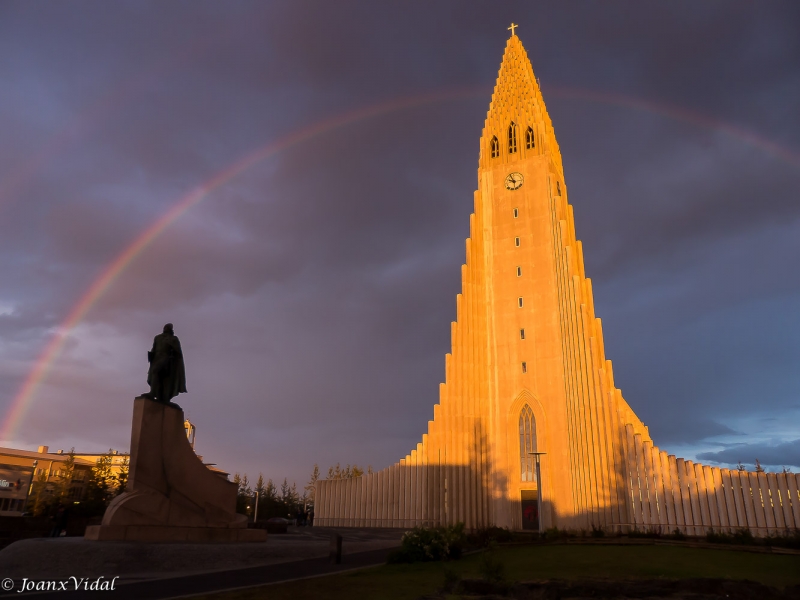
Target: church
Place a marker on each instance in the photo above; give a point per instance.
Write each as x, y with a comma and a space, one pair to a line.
530, 430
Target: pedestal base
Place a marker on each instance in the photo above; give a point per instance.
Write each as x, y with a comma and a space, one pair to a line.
156, 533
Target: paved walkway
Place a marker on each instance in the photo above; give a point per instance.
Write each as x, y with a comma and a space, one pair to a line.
205, 583
161, 571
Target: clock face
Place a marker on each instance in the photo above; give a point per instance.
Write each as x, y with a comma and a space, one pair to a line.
514, 181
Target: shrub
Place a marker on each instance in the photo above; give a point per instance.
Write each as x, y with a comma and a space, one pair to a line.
430, 543
554, 533
451, 580
719, 537
677, 534
743, 536
788, 539
598, 532
650, 532
491, 568
486, 535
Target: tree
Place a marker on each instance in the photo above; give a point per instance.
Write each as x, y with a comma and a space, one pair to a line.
271, 492
740, 467
286, 492
759, 468
786, 470
348, 472
244, 486
66, 475
122, 476
260, 489
37, 501
312, 483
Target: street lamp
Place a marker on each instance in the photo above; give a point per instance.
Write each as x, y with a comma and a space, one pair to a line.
30, 487
536, 456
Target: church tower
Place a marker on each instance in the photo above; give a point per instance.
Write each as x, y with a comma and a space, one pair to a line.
527, 374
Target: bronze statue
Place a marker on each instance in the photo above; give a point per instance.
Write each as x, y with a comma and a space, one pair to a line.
167, 375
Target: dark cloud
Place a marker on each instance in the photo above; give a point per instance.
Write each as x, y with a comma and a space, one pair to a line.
313, 293
782, 454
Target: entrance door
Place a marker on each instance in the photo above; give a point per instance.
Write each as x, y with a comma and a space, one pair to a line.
530, 509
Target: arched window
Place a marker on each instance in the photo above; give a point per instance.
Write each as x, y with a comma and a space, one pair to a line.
512, 138
527, 443
495, 146
530, 143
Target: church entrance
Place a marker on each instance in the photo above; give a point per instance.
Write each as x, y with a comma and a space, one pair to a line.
530, 509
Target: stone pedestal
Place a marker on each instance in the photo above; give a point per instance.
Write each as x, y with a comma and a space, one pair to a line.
171, 495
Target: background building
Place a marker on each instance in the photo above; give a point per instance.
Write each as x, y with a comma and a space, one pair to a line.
21, 468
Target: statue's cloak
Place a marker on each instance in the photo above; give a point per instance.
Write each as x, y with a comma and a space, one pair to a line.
167, 374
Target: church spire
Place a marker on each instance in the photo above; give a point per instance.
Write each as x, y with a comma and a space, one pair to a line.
517, 108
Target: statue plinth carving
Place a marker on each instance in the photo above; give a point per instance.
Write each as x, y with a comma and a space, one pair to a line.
171, 495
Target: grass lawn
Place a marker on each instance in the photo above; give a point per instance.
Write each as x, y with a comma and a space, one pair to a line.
408, 582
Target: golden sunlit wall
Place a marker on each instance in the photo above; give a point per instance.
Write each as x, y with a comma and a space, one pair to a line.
528, 373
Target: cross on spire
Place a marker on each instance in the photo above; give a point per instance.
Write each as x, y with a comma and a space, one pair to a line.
513, 26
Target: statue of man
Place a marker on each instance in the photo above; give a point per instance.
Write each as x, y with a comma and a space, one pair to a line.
167, 376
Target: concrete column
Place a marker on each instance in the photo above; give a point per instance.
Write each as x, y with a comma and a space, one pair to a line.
642, 481
424, 480
769, 513
347, 506
786, 502
732, 510
416, 505
595, 469
386, 509
363, 501
669, 502
739, 499
677, 497
319, 501
579, 461
369, 498
434, 464
402, 485
409, 490
758, 504
341, 503
702, 497
626, 432
748, 501
636, 492
619, 449
590, 375
686, 496
656, 496
349, 503
722, 499
394, 494
380, 504
699, 513
711, 492
793, 483
581, 404
777, 509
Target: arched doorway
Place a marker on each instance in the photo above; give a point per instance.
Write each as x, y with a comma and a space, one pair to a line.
529, 499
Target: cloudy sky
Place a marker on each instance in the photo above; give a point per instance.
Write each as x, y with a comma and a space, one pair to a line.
313, 291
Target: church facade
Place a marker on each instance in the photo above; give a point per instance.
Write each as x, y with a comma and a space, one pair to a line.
528, 374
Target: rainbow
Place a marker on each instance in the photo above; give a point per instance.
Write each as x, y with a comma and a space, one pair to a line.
112, 272
678, 114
